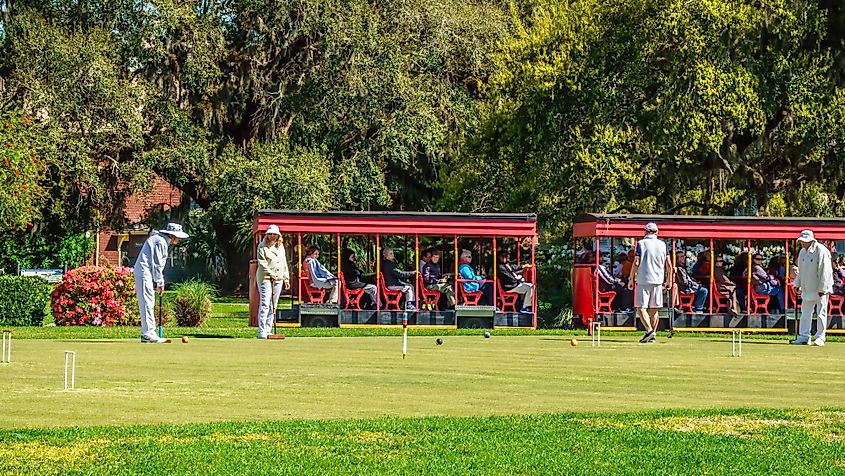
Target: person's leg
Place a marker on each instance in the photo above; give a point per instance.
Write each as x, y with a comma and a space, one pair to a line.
146, 306
371, 291
821, 326
642, 299
449, 291
409, 296
655, 305
333, 295
264, 296
277, 292
807, 308
700, 299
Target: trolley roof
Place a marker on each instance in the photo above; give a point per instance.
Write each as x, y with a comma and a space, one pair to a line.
717, 227
397, 223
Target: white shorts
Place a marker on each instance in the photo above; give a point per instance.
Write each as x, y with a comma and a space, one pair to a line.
649, 296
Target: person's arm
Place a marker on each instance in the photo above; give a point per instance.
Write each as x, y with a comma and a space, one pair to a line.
159, 259
825, 273
263, 262
633, 273
285, 271
667, 272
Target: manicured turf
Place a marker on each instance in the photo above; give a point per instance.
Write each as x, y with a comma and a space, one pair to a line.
767, 442
125, 382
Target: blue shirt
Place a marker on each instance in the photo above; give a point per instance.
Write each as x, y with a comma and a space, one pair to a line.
466, 272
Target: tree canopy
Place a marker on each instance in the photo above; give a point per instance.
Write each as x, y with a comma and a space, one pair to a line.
554, 107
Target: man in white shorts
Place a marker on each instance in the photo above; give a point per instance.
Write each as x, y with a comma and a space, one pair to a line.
653, 271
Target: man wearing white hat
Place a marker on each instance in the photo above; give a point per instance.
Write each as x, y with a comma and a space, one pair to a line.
814, 284
149, 276
272, 275
653, 270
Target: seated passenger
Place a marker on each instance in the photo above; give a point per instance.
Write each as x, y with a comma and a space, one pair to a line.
624, 299
393, 277
764, 283
839, 275
688, 285
354, 277
320, 277
512, 281
426, 257
473, 283
725, 286
619, 265
434, 280
627, 265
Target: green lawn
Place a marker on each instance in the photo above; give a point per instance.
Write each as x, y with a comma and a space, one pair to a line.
769, 442
126, 382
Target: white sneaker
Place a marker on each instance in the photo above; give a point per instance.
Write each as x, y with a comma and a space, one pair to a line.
820, 342
799, 341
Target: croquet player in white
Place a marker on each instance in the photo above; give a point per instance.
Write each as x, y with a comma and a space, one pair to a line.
149, 276
272, 276
653, 270
814, 284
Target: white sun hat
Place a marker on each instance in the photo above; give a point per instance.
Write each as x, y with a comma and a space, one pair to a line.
651, 227
174, 229
807, 236
272, 230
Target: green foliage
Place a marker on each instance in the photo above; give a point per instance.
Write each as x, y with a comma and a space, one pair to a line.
192, 304
41, 249
23, 300
657, 106
22, 172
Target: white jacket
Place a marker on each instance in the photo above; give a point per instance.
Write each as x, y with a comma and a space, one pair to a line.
272, 263
151, 261
815, 272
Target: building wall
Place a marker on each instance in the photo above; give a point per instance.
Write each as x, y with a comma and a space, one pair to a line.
137, 207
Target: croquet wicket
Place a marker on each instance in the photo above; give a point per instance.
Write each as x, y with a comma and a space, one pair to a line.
596, 333
736, 343
7, 347
70, 357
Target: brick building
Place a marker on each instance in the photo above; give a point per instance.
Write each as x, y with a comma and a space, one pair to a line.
121, 247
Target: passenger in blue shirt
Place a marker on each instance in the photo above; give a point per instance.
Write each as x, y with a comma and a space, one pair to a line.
473, 282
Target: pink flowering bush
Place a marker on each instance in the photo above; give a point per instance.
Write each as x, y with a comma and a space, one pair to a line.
95, 296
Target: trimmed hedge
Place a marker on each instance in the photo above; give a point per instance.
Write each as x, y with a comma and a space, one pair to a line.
23, 300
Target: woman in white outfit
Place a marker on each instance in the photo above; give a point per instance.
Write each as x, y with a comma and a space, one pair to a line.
272, 276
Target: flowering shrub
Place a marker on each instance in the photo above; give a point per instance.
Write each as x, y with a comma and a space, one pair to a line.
95, 296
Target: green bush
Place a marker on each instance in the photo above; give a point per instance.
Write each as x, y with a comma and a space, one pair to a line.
23, 300
192, 305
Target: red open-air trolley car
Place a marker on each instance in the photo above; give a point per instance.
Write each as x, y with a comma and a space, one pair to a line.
714, 237
373, 229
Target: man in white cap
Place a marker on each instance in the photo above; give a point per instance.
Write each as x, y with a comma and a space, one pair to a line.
149, 276
653, 270
814, 284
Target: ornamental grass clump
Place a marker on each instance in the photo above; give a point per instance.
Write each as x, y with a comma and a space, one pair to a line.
192, 305
95, 296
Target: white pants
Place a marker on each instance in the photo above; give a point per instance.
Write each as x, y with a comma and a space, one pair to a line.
332, 289
371, 290
807, 318
409, 293
145, 289
528, 290
266, 306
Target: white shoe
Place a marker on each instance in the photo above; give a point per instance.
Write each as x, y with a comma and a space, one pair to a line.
820, 342
152, 340
799, 341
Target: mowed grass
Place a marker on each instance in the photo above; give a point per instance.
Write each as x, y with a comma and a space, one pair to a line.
770, 442
207, 380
